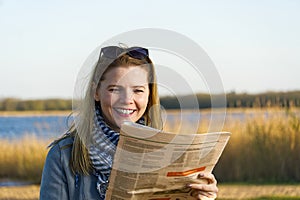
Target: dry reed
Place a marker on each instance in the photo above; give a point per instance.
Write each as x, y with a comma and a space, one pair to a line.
264, 148
22, 159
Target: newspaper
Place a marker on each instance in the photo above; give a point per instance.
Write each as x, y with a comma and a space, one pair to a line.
153, 165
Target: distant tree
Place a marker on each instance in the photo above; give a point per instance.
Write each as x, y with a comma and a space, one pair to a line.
9, 104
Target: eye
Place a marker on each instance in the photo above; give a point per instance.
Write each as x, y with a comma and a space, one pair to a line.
138, 91
114, 90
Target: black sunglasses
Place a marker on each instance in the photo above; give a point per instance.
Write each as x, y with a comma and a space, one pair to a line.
115, 51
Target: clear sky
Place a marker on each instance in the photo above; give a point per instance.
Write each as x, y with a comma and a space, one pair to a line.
254, 44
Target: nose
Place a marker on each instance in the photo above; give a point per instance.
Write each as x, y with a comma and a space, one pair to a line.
127, 97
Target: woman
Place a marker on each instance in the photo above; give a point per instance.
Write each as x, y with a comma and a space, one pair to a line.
122, 87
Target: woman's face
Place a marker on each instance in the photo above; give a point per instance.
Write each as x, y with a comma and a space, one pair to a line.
123, 94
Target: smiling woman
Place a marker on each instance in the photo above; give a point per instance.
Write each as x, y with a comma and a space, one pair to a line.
122, 88
123, 94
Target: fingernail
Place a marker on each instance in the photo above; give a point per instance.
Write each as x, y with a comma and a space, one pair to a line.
188, 185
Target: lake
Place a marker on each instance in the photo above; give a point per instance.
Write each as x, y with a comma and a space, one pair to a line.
14, 127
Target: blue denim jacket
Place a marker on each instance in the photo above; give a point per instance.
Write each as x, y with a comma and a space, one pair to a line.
58, 181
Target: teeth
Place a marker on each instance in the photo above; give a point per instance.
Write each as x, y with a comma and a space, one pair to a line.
124, 111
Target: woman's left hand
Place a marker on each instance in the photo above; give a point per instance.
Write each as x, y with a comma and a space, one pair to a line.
207, 190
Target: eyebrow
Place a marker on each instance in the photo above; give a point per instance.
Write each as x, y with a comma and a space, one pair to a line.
135, 86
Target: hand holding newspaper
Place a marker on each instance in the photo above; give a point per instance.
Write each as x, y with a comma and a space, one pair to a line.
154, 165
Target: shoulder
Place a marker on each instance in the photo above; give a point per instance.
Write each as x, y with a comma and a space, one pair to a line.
66, 142
58, 157
57, 174
61, 147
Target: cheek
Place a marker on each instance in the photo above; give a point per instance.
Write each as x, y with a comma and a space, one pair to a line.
142, 101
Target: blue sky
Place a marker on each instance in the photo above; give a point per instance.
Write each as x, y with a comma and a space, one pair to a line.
254, 44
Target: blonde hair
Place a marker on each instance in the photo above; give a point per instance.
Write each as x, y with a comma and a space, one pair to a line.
80, 161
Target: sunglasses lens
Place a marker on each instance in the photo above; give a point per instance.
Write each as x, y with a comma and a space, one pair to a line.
111, 51
138, 52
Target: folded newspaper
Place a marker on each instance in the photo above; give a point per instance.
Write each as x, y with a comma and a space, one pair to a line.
150, 164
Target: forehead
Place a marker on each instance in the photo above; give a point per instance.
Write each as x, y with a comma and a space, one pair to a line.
126, 75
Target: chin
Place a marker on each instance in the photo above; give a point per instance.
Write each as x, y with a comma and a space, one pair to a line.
126, 120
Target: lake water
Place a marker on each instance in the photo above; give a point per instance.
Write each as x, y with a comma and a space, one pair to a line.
41, 126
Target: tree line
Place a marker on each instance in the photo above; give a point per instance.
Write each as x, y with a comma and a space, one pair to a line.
236, 100
202, 100
14, 104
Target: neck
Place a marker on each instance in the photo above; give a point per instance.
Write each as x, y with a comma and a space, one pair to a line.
112, 126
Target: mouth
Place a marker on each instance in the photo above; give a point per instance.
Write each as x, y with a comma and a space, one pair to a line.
124, 112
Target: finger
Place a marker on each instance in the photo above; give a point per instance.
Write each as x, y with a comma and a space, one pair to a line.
205, 187
211, 195
203, 195
208, 176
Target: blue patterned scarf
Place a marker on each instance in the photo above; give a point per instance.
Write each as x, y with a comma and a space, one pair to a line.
103, 149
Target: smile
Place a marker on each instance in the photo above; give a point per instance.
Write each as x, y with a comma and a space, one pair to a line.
124, 111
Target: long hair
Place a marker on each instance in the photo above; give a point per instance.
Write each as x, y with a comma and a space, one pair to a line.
80, 161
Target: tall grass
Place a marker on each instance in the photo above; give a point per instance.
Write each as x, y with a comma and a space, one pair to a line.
22, 159
264, 148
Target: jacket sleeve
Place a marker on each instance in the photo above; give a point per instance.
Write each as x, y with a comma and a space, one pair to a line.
54, 182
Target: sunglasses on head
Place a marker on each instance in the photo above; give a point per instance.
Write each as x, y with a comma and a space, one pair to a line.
115, 51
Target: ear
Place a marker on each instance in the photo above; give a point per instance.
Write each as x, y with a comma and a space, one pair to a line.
96, 94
